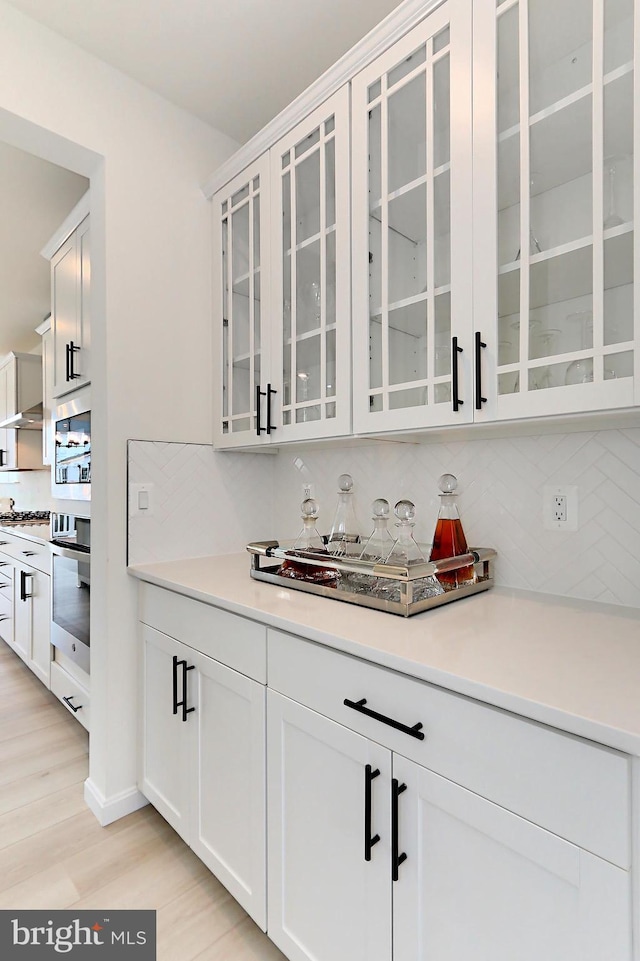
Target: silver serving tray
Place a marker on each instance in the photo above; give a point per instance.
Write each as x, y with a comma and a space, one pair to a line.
263, 568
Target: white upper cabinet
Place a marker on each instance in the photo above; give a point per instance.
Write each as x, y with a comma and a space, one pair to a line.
241, 345
282, 288
70, 311
493, 152
556, 158
412, 252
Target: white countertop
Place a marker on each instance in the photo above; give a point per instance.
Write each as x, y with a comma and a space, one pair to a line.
572, 664
38, 533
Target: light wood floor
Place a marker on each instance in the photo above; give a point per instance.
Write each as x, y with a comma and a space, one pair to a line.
54, 854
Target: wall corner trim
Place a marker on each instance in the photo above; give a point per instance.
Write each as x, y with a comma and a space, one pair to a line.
113, 808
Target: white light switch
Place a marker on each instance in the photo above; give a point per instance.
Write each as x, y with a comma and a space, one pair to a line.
141, 499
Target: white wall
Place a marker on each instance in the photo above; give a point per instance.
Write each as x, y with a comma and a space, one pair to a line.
501, 482
151, 311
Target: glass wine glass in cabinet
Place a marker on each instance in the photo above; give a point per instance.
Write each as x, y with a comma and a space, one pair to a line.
564, 205
312, 289
411, 189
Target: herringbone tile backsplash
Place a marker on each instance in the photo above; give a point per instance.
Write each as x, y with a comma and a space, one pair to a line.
501, 494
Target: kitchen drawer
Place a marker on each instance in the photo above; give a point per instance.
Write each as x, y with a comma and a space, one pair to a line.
65, 686
572, 787
27, 552
6, 623
6, 598
233, 640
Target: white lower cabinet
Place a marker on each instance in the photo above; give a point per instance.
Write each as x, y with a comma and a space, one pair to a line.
404, 822
326, 900
25, 612
453, 875
482, 883
203, 761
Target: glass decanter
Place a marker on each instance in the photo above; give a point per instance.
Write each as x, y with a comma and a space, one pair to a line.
309, 541
381, 541
405, 553
449, 539
343, 536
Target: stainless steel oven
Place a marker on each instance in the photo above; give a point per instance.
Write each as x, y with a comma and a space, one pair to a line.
71, 474
71, 586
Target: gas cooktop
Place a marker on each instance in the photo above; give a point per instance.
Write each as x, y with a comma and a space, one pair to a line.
11, 518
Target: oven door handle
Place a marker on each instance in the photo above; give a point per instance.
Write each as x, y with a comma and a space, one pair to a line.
71, 554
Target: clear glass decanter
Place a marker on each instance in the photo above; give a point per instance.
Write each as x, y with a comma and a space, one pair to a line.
343, 537
449, 539
381, 541
309, 541
405, 553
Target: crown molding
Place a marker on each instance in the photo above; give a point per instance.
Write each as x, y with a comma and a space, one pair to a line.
75, 218
394, 26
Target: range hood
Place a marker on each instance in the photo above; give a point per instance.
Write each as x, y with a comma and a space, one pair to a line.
29, 419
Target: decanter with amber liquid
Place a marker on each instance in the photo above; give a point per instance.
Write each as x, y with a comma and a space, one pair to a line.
449, 539
308, 542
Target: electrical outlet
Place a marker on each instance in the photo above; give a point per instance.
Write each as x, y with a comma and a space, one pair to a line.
560, 508
307, 490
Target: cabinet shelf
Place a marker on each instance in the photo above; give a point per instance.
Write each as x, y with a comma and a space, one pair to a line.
240, 284
566, 273
561, 139
308, 241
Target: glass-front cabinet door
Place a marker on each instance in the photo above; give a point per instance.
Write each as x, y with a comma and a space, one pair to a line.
311, 296
555, 271
411, 190
241, 279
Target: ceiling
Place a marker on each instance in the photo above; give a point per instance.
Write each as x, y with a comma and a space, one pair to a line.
233, 64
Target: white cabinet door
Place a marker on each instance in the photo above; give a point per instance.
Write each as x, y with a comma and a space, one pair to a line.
70, 311
168, 728
40, 642
229, 815
326, 901
22, 611
310, 261
412, 250
556, 137
481, 883
241, 292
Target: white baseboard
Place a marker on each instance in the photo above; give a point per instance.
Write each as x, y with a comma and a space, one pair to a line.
112, 809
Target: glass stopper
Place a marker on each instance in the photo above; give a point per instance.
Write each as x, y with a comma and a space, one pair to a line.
405, 510
345, 482
447, 483
309, 508
380, 508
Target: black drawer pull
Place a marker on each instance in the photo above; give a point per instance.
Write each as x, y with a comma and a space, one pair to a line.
359, 706
369, 841
74, 707
396, 858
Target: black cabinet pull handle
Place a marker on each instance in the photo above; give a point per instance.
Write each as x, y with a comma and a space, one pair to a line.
396, 858
23, 586
480, 345
183, 703
67, 371
2, 461
414, 731
270, 391
177, 662
259, 394
455, 350
174, 679
74, 707
369, 841
72, 349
